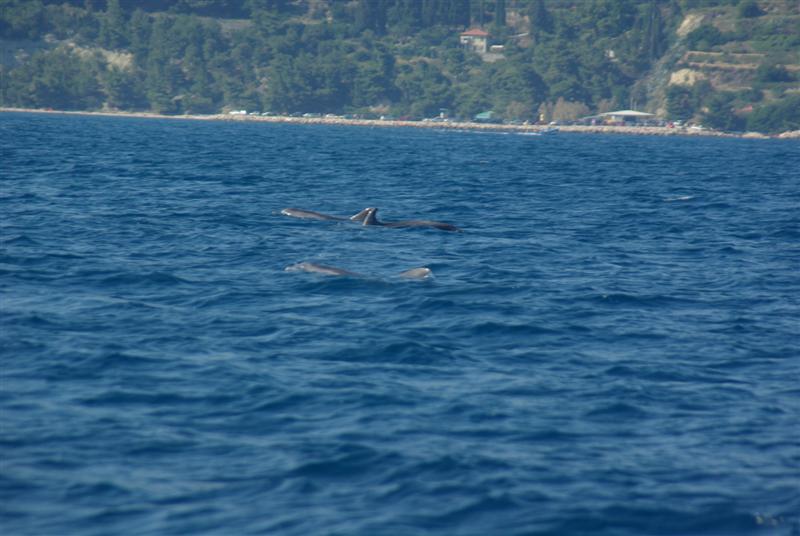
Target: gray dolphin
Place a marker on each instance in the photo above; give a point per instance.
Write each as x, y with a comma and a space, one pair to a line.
414, 273
311, 215
371, 218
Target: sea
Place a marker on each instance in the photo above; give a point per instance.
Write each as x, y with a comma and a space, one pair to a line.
611, 346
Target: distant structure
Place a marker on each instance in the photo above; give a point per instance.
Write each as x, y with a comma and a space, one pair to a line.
485, 117
620, 117
476, 39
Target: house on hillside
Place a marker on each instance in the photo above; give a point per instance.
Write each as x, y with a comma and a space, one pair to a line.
476, 39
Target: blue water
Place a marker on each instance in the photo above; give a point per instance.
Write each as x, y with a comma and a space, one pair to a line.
612, 345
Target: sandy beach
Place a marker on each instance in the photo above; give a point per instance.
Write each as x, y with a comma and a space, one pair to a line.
441, 125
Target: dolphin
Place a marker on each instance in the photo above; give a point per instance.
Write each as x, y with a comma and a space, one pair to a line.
311, 215
371, 218
311, 267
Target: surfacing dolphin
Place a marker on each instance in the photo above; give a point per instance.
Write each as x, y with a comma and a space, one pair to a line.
371, 218
311, 215
414, 273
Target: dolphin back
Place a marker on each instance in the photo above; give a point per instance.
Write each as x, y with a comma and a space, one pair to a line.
417, 273
315, 268
308, 214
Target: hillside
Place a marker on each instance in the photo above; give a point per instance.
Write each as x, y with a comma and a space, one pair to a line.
730, 64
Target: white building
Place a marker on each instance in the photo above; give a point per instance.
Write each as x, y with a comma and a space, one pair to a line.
476, 39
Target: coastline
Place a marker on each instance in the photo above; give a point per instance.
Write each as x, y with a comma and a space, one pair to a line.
448, 125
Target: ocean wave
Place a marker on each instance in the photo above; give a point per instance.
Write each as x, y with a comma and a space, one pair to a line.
609, 347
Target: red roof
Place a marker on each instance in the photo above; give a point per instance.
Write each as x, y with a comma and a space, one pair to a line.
476, 32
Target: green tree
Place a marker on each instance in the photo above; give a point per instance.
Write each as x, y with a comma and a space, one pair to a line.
562, 71
771, 72
654, 31
113, 27
55, 79
405, 16
541, 22
607, 18
371, 15
749, 9
780, 116
424, 90
123, 89
459, 13
21, 19
516, 90
139, 28
373, 82
705, 38
680, 103
163, 73
500, 13
719, 113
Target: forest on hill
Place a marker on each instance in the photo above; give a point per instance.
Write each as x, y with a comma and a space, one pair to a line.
730, 64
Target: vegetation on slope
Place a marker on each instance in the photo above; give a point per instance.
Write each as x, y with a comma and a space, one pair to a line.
561, 59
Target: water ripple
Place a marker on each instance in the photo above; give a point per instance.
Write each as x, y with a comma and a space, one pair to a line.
610, 347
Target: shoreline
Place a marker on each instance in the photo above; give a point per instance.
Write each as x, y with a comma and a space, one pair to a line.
449, 125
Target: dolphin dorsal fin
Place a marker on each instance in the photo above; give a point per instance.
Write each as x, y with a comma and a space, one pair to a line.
371, 217
361, 216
